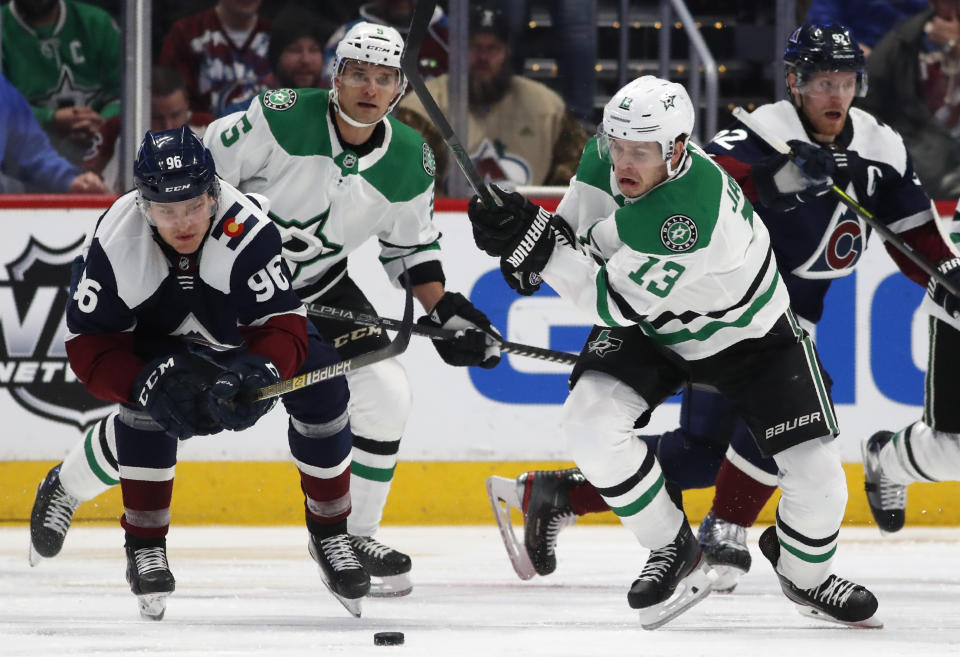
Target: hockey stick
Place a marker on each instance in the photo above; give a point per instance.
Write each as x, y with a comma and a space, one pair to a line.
409, 61
395, 348
889, 236
434, 332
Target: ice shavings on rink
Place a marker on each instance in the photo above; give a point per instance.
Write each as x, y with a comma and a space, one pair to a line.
255, 591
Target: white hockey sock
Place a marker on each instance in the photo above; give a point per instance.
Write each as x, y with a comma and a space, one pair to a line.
87, 470
371, 474
918, 453
813, 496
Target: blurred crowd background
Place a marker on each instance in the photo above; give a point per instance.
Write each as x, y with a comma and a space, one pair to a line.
538, 73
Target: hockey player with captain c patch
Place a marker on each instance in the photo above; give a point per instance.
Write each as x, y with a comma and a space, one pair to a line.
679, 269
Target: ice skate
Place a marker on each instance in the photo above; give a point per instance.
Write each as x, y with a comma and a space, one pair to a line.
543, 499
675, 578
50, 519
389, 569
340, 570
887, 500
150, 579
837, 600
724, 546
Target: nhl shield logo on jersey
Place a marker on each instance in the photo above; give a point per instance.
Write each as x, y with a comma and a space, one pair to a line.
280, 99
678, 233
429, 160
604, 344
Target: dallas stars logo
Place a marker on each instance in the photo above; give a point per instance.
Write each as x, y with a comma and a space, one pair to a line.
429, 160
304, 242
669, 101
604, 344
678, 233
280, 99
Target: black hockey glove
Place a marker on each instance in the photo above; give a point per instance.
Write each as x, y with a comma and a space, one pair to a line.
477, 342
175, 398
782, 185
247, 373
524, 283
517, 231
950, 269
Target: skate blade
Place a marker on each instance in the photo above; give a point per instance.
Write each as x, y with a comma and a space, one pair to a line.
152, 605
34, 557
694, 588
503, 496
727, 578
872, 623
391, 586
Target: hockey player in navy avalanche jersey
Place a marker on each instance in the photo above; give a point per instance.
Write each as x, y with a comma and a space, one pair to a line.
183, 305
815, 240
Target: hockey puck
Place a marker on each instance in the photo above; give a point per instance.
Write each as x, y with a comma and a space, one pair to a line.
388, 639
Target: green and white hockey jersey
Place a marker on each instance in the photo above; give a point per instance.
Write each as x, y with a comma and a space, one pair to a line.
74, 62
325, 200
689, 261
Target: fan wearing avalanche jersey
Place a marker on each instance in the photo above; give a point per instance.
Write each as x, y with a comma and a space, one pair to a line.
182, 306
815, 240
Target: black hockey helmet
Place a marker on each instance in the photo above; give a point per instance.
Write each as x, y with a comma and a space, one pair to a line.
173, 165
817, 47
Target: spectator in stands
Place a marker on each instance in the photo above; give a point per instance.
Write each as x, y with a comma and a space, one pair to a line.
295, 53
518, 130
914, 75
27, 156
221, 53
169, 109
574, 25
869, 20
65, 57
397, 14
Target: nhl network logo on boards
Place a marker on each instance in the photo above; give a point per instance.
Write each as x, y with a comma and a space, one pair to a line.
33, 360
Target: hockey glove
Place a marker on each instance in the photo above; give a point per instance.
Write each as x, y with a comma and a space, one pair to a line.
782, 185
247, 373
517, 231
477, 342
175, 398
950, 269
524, 283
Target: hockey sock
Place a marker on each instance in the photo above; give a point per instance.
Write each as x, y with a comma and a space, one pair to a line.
90, 467
585, 498
918, 453
739, 497
371, 474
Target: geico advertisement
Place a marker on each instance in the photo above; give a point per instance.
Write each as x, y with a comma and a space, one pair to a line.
872, 341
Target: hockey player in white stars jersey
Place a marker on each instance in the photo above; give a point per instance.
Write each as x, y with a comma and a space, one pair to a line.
677, 271
337, 170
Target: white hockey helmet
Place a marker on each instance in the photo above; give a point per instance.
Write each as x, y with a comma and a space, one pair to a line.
649, 109
369, 43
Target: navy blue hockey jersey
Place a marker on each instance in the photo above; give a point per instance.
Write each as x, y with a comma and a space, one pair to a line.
818, 241
234, 293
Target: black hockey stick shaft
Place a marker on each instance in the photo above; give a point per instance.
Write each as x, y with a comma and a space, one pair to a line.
409, 62
888, 235
434, 332
343, 367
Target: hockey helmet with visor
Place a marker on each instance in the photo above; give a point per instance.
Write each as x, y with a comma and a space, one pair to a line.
830, 47
648, 109
361, 56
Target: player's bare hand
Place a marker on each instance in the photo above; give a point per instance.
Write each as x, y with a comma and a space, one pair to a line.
942, 31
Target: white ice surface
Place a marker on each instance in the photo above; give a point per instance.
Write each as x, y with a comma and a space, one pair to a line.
254, 591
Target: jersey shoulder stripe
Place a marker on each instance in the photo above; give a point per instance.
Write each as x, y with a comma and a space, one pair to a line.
406, 169
875, 140
299, 128
678, 216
